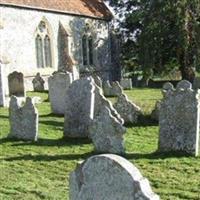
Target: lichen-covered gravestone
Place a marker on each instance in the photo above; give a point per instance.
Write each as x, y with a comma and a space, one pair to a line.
155, 112
113, 89
59, 83
179, 119
23, 120
16, 84
127, 110
101, 101
38, 83
79, 108
109, 177
126, 83
107, 133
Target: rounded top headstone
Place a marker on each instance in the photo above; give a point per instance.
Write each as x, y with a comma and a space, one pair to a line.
184, 85
168, 86
109, 176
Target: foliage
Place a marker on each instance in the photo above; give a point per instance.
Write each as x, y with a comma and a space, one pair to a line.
41, 170
160, 35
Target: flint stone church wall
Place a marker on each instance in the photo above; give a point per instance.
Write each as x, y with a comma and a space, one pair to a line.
18, 34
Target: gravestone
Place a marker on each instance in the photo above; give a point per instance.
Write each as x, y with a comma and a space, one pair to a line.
101, 101
116, 88
107, 133
23, 120
196, 83
126, 83
155, 112
107, 88
112, 90
16, 84
79, 108
38, 83
127, 110
179, 119
97, 80
59, 83
109, 177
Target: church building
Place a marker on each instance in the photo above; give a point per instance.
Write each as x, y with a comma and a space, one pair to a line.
47, 35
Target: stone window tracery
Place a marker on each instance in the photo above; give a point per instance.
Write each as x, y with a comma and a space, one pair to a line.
87, 47
43, 46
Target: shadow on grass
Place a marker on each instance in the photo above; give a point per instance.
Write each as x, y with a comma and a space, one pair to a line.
4, 116
52, 123
143, 120
55, 142
52, 115
157, 155
50, 158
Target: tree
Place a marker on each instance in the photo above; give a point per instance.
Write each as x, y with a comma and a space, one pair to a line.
161, 34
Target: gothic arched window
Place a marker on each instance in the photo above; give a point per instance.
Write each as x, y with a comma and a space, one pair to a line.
39, 51
87, 47
43, 46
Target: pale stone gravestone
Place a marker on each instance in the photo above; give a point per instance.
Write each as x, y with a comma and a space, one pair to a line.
107, 88
59, 83
79, 108
179, 119
109, 177
112, 90
38, 83
97, 80
127, 110
107, 133
23, 120
101, 101
155, 112
126, 83
16, 84
116, 88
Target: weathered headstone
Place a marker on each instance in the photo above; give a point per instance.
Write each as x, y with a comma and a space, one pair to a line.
79, 108
109, 177
155, 112
107, 89
97, 80
16, 84
101, 101
179, 119
116, 88
126, 83
59, 83
112, 90
127, 110
107, 133
38, 83
23, 120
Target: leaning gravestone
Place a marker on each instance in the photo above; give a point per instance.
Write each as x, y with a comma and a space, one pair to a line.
101, 101
116, 88
79, 108
127, 110
107, 133
107, 88
59, 83
16, 84
38, 83
23, 120
179, 119
112, 90
109, 177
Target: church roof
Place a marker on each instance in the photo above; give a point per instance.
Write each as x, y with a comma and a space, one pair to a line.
89, 8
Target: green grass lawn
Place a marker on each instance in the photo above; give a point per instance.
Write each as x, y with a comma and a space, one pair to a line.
41, 170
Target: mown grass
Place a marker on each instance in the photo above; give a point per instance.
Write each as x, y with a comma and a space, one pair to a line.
41, 170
